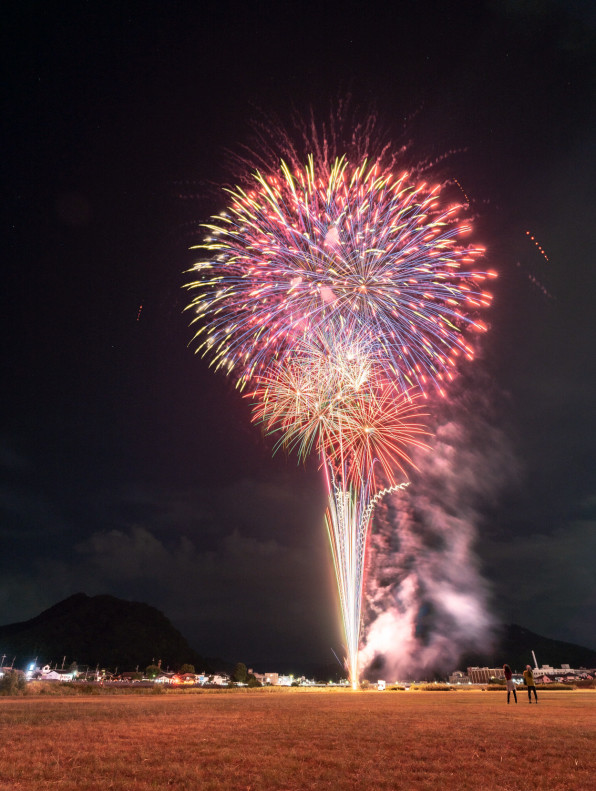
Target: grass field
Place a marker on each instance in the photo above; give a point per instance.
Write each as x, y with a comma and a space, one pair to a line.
292, 739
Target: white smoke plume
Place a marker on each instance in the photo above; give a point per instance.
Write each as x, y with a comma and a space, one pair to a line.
426, 603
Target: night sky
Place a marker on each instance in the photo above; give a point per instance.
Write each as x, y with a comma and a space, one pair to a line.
130, 468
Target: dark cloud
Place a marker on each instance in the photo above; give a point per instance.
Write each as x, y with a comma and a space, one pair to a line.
243, 570
546, 581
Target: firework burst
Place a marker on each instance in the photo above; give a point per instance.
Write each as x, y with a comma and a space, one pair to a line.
307, 248
333, 395
338, 295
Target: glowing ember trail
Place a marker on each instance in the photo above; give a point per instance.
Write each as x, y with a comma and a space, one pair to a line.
336, 297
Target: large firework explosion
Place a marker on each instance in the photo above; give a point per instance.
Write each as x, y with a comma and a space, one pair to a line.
337, 295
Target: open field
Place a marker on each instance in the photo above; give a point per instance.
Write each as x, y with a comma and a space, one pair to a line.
293, 739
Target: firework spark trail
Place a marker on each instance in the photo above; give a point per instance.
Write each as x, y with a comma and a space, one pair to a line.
348, 520
336, 294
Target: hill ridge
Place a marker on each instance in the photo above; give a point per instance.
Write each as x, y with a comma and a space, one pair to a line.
514, 646
99, 630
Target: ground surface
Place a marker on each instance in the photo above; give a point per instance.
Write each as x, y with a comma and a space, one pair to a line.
261, 740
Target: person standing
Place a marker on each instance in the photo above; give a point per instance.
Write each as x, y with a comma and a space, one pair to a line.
530, 683
509, 682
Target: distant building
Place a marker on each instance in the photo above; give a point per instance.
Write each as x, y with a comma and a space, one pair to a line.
483, 675
220, 680
267, 679
164, 678
47, 674
458, 677
543, 675
565, 674
274, 679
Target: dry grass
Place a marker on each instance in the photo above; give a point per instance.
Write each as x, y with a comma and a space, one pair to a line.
294, 740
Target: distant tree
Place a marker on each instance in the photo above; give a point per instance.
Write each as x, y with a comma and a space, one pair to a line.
12, 683
240, 674
151, 671
73, 667
253, 682
187, 668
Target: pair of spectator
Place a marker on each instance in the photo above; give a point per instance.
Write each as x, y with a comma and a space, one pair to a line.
528, 681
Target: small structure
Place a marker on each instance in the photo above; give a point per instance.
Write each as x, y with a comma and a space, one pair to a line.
47, 674
458, 677
267, 679
164, 678
564, 674
483, 675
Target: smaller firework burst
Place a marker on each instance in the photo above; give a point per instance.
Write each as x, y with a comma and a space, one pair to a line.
333, 395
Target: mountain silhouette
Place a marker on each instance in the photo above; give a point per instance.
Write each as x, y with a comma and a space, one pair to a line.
99, 630
514, 646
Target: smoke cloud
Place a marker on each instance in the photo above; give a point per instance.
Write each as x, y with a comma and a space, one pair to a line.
426, 603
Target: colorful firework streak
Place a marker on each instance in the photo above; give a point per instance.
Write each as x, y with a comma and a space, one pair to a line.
337, 296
